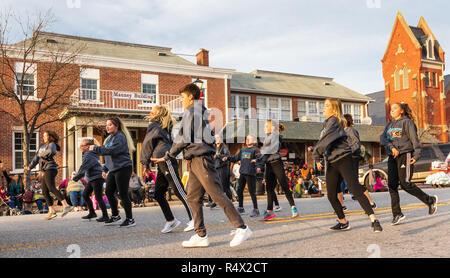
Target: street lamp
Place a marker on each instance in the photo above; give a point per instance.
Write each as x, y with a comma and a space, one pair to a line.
199, 83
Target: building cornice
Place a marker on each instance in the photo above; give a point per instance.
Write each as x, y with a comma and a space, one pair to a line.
130, 64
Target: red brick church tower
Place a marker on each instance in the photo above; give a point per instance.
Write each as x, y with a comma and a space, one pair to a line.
413, 70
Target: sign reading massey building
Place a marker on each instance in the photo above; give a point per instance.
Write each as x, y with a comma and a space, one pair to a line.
134, 96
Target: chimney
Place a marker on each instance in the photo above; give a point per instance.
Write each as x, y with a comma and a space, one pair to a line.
203, 57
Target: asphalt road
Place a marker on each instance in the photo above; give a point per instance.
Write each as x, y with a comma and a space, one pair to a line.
307, 236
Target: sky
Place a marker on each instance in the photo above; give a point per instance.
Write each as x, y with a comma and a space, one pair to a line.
342, 39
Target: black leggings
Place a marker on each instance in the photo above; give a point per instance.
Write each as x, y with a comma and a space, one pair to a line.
251, 183
168, 176
355, 169
335, 172
48, 185
97, 187
119, 180
401, 172
274, 173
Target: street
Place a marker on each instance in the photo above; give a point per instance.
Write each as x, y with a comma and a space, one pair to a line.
307, 236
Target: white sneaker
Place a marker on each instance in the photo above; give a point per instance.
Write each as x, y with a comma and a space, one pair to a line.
196, 241
277, 208
190, 226
240, 236
170, 226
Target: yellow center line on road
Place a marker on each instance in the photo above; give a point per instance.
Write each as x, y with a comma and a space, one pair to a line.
310, 217
78, 239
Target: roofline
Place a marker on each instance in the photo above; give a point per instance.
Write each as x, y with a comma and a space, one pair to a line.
400, 19
424, 23
162, 48
133, 64
291, 74
291, 95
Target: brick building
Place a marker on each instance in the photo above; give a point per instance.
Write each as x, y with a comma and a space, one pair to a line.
116, 79
413, 68
297, 101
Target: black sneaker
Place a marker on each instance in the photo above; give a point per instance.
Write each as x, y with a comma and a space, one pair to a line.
241, 210
344, 208
102, 219
212, 206
376, 226
353, 197
113, 220
128, 223
89, 216
397, 219
341, 227
433, 206
374, 206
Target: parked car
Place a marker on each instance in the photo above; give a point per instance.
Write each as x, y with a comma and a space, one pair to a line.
422, 168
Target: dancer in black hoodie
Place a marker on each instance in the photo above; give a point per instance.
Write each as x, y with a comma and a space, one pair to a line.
196, 139
223, 167
271, 158
404, 148
49, 170
355, 146
338, 158
157, 143
92, 170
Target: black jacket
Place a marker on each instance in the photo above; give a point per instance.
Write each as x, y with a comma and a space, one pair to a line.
115, 151
246, 155
90, 167
353, 141
46, 157
333, 141
222, 152
195, 137
402, 135
157, 143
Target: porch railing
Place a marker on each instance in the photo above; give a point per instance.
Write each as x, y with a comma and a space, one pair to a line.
123, 100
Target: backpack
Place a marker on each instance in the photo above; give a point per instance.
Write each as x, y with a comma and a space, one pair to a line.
28, 196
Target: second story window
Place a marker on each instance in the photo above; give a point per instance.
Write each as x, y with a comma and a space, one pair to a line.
274, 108
27, 85
353, 109
90, 84
150, 90
435, 80
25, 79
89, 89
310, 110
427, 79
301, 108
240, 107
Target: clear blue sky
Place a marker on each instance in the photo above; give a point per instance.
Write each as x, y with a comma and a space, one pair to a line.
344, 39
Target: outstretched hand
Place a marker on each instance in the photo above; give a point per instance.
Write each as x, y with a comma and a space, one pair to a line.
157, 160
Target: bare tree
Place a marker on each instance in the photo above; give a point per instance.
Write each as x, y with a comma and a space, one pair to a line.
35, 102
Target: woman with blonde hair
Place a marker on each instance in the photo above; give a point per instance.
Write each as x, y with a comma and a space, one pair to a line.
334, 147
157, 143
271, 158
117, 151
